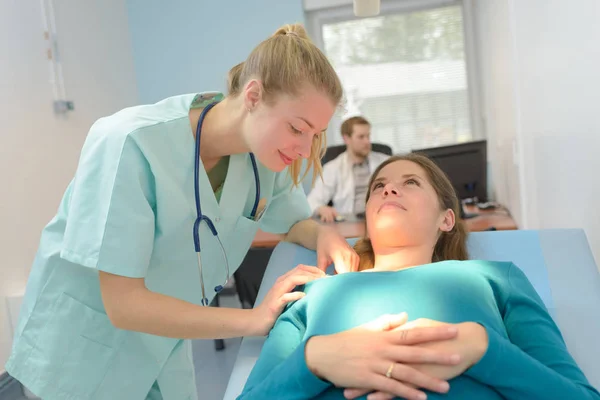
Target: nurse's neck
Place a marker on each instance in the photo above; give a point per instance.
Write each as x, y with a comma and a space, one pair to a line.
221, 133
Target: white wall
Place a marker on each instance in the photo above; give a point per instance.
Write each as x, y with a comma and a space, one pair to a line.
542, 89
494, 43
38, 150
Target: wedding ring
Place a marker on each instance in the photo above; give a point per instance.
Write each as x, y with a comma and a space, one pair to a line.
388, 374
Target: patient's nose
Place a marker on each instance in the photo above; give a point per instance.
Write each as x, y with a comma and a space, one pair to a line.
389, 189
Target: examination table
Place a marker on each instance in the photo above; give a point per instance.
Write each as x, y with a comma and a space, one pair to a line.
558, 263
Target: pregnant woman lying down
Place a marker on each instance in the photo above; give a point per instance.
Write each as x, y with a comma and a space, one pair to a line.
331, 344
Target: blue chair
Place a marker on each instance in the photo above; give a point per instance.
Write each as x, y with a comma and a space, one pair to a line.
558, 263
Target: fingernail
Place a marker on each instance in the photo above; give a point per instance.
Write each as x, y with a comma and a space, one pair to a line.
422, 396
444, 386
455, 358
452, 329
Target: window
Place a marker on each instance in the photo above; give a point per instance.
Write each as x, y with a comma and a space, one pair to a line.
405, 71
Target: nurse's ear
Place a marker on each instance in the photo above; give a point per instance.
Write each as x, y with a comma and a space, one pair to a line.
253, 93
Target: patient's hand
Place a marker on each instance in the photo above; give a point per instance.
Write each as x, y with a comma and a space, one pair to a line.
360, 357
471, 343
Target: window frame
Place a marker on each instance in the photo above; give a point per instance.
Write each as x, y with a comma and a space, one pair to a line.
317, 18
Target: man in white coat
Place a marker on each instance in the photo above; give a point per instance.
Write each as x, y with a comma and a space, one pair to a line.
346, 177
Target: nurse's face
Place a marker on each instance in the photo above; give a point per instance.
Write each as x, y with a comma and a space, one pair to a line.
283, 129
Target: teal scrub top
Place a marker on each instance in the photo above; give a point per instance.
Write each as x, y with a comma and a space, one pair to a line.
130, 211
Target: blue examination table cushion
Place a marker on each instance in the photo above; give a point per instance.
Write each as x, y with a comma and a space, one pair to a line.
558, 263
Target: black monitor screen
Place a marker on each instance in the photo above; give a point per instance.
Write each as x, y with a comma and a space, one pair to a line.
466, 167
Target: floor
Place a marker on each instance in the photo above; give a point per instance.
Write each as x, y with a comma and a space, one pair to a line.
212, 367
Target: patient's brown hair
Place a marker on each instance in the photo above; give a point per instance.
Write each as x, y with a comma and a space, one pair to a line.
450, 245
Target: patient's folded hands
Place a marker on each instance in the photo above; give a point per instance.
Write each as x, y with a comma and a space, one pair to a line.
471, 344
364, 354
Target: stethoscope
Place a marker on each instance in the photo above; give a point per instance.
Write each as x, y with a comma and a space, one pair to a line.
201, 217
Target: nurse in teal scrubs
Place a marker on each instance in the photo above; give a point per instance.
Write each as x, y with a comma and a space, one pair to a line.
114, 290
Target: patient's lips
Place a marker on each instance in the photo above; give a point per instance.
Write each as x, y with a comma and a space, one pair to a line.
391, 205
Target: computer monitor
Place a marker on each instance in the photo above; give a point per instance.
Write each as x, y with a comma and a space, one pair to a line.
466, 167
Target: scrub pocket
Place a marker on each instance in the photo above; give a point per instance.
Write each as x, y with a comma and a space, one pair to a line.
241, 240
78, 343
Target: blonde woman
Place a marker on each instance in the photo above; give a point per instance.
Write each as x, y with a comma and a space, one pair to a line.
117, 284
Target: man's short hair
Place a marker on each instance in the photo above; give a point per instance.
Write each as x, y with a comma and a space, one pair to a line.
348, 125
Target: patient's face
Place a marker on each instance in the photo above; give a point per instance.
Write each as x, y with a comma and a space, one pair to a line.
403, 207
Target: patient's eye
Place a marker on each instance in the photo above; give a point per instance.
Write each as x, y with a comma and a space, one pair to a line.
412, 182
377, 185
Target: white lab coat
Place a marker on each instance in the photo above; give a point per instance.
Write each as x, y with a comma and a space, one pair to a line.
338, 183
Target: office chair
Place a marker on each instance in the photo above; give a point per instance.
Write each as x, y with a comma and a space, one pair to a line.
334, 151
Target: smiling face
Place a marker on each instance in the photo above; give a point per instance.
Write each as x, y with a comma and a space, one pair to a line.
284, 130
403, 208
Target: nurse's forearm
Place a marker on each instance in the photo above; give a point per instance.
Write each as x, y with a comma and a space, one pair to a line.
304, 233
162, 315
131, 306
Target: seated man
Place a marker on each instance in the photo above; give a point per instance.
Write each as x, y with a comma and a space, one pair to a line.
345, 178
414, 261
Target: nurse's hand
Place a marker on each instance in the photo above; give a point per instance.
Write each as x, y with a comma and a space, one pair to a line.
332, 247
281, 294
361, 357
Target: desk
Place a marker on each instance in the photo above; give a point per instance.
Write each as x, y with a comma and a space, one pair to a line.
499, 219
346, 229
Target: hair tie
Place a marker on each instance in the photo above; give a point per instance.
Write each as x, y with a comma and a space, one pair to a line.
290, 33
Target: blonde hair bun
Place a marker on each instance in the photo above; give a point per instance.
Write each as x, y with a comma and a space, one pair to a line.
292, 30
